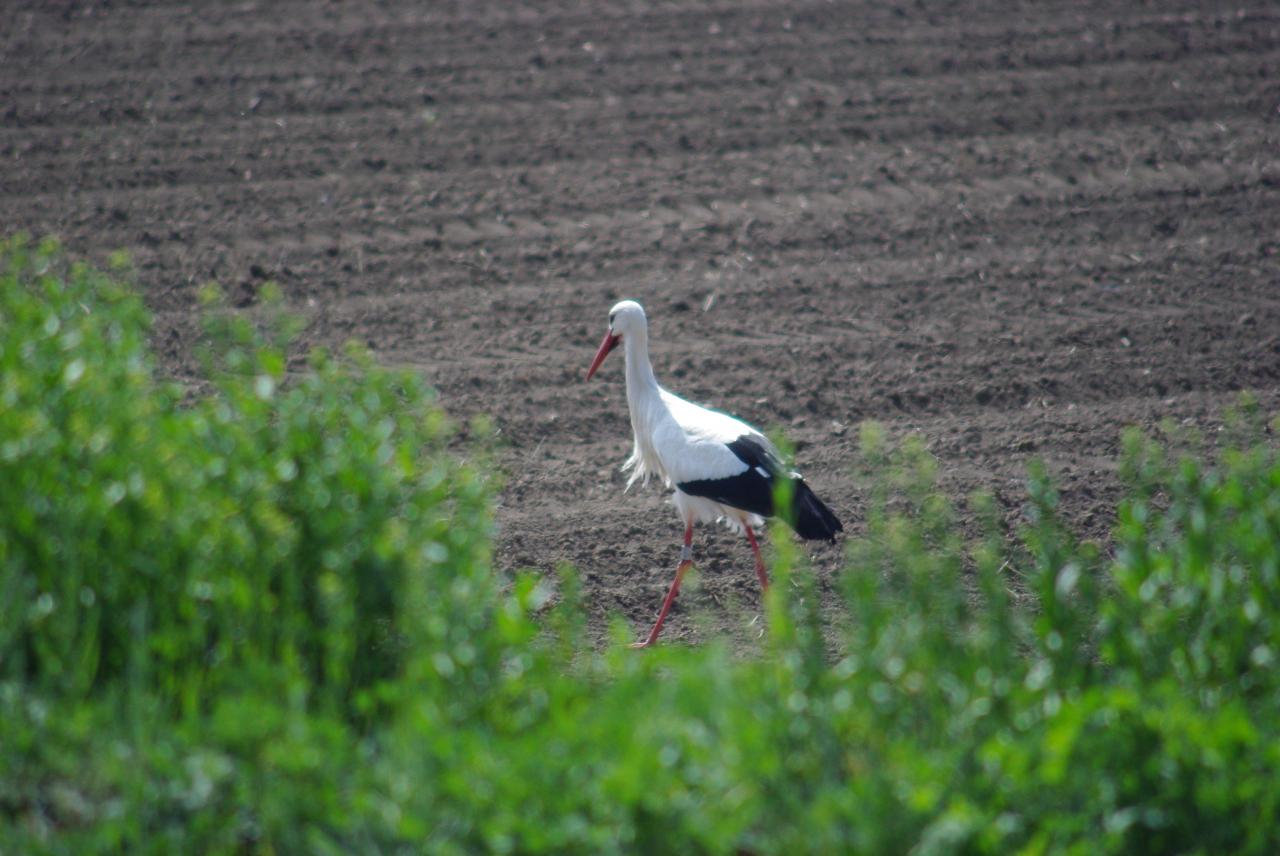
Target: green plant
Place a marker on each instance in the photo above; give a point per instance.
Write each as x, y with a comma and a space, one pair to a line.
238, 577
262, 618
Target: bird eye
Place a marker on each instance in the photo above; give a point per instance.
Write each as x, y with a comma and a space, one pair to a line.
611, 317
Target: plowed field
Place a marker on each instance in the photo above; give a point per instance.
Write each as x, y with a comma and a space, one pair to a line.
1011, 227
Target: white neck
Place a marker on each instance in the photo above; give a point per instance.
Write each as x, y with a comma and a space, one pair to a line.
644, 400
642, 386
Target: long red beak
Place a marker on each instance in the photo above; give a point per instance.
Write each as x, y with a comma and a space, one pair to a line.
610, 342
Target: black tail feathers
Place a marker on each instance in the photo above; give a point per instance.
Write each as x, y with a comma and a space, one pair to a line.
813, 521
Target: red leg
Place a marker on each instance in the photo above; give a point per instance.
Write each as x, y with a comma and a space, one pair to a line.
755, 548
686, 559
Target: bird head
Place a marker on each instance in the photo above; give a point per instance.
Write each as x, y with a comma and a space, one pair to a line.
625, 319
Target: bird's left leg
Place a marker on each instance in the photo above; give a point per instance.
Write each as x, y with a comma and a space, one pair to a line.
686, 559
755, 548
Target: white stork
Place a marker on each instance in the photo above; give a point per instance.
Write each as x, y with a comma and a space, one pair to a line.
721, 468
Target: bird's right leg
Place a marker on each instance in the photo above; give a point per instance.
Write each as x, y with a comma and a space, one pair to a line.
686, 559
755, 548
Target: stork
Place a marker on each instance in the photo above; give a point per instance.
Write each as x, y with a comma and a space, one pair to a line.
720, 468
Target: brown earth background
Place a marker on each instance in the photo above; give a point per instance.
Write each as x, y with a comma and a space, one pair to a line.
1011, 228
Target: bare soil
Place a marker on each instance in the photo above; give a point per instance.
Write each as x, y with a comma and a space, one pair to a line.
1013, 228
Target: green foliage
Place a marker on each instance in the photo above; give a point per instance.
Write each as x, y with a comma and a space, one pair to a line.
242, 579
265, 537
1198, 570
263, 620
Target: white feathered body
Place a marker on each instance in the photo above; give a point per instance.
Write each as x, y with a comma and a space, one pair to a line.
719, 468
678, 441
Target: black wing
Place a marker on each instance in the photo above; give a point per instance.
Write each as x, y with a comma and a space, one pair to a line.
750, 490
753, 490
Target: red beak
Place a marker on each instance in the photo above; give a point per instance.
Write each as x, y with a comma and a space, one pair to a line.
610, 342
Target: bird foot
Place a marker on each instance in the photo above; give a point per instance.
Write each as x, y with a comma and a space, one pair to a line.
638, 645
